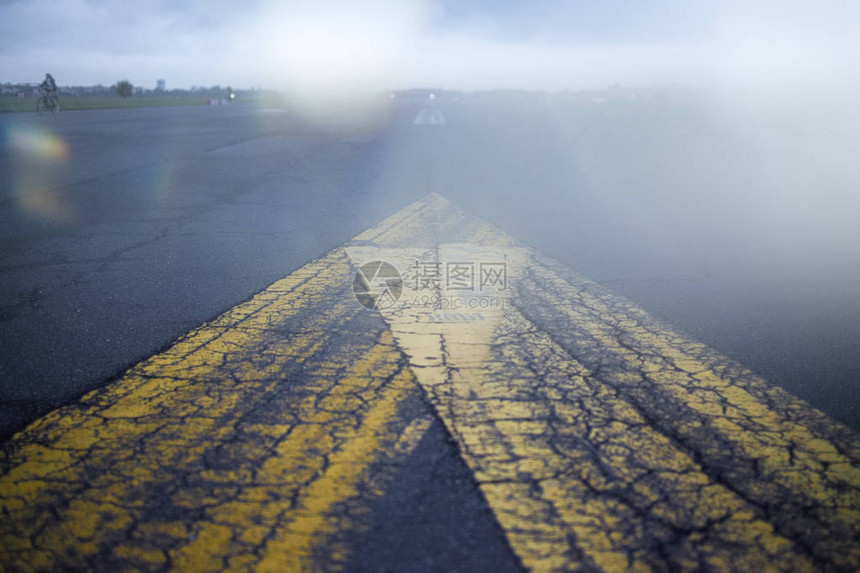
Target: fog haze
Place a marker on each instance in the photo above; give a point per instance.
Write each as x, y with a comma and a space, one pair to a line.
720, 191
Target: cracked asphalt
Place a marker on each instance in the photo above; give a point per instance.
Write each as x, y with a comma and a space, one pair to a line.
119, 245
593, 437
185, 297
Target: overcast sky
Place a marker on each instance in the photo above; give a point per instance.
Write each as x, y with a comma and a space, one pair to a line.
337, 45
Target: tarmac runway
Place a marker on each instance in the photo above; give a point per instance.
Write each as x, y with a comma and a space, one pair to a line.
123, 230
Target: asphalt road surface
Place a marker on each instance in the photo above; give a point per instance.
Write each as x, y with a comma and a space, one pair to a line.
125, 229
122, 229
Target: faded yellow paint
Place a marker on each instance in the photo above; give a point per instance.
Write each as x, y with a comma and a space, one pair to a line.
292, 547
767, 446
578, 468
562, 455
194, 457
206, 551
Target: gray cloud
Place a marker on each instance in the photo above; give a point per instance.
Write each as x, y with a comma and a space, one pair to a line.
728, 45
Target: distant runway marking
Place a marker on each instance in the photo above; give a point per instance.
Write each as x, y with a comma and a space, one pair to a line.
430, 116
600, 438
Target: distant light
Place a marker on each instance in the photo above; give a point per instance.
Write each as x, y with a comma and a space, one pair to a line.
432, 96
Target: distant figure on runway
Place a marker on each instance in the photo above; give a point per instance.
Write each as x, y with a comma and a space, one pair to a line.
49, 99
49, 85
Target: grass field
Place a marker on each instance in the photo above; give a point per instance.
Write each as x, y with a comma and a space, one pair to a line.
98, 102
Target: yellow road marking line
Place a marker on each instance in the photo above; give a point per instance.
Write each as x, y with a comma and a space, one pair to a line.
292, 549
578, 466
763, 443
205, 455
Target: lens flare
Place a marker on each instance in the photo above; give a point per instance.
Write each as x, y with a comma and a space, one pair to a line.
37, 155
37, 143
